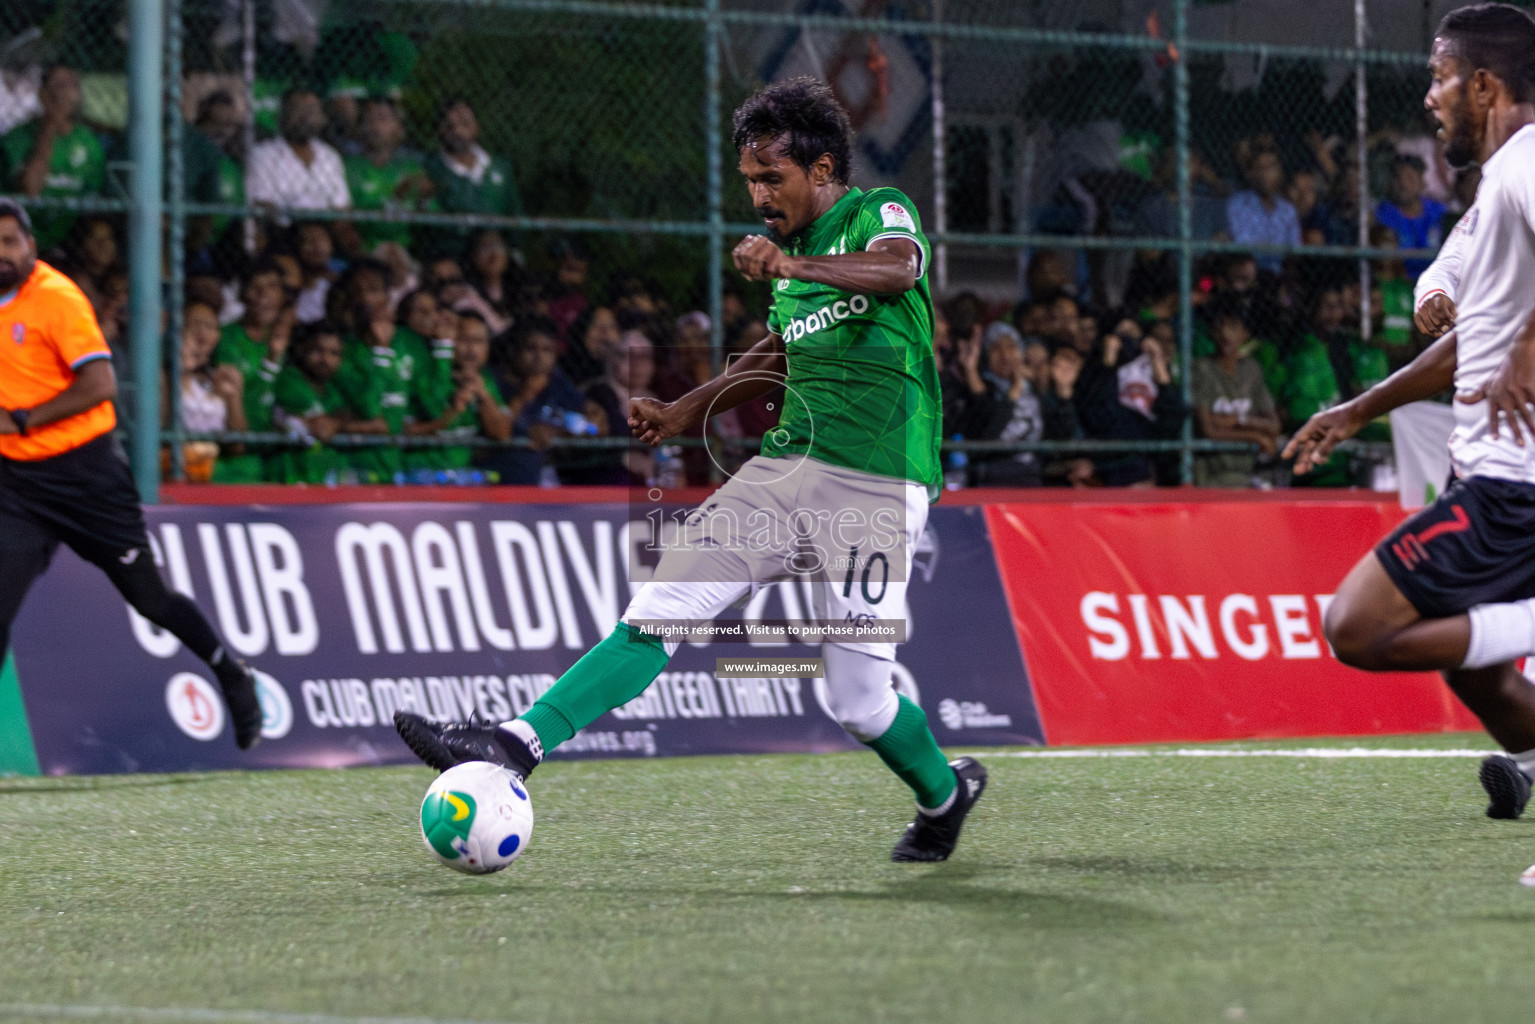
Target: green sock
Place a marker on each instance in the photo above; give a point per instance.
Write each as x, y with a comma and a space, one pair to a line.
614, 672
908, 748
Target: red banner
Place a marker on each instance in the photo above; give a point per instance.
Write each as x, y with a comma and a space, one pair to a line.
1164, 621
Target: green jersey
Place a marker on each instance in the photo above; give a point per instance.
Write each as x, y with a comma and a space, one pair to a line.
465, 424
862, 390
379, 188
1396, 300
433, 394
210, 175
77, 167
238, 349
297, 398
383, 382
489, 187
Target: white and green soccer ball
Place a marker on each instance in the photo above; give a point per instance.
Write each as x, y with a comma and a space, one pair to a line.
477, 817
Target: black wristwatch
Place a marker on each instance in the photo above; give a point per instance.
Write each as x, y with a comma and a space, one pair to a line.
19, 417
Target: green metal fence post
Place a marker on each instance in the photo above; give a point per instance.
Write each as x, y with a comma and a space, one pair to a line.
146, 67
1185, 232
175, 198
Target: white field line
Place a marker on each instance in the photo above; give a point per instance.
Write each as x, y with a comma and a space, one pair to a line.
196, 1015
1335, 753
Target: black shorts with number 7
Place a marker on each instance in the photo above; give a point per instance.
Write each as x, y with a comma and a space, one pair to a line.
1474, 545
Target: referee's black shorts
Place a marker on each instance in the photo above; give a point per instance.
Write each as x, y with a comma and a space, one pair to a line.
1474, 545
85, 498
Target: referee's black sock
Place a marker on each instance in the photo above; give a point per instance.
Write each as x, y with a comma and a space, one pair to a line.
141, 585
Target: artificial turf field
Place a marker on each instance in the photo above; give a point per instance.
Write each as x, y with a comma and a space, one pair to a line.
740, 889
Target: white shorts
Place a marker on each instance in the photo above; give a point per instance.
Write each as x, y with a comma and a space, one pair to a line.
850, 535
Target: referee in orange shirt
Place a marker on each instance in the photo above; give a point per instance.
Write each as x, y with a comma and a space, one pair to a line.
64, 477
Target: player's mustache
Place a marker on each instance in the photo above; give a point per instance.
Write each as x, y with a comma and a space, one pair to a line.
768, 212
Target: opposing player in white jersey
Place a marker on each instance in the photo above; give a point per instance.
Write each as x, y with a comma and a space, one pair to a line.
1453, 588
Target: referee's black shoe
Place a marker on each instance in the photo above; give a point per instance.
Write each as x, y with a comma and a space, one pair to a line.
1508, 789
445, 744
239, 688
932, 837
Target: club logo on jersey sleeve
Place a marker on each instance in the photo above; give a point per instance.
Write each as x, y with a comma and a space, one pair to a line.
1467, 223
894, 215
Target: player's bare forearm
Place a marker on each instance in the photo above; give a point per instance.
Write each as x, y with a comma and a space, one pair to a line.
888, 267
1423, 378
94, 383
759, 371
866, 273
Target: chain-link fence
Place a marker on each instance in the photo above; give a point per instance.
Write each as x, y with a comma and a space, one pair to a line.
1098, 175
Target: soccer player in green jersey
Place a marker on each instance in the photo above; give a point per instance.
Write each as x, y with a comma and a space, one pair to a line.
838, 496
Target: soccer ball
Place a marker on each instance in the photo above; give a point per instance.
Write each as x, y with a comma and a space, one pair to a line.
477, 817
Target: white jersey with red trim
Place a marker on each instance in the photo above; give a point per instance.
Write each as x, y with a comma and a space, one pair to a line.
1494, 300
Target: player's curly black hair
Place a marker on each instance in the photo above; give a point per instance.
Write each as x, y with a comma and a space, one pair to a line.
804, 113
1498, 37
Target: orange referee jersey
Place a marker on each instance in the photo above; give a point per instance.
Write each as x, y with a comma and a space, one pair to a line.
47, 332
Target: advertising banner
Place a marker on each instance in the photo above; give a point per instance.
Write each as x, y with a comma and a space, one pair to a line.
1199, 621
350, 612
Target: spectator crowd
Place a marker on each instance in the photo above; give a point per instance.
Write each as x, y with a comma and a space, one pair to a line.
325, 314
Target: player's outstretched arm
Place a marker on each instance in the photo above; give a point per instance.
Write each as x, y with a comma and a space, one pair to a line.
888, 267
1424, 377
94, 383
757, 372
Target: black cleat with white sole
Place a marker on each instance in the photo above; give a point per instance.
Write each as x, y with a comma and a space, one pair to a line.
239, 688
933, 837
1508, 789
445, 744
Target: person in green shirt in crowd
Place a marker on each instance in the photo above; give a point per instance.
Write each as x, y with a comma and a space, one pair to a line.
467, 179
474, 406
53, 155
1327, 365
384, 366
309, 405
266, 96
385, 176
1395, 301
210, 164
422, 312
256, 345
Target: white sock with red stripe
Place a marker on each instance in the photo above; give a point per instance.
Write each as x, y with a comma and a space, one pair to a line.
1500, 632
